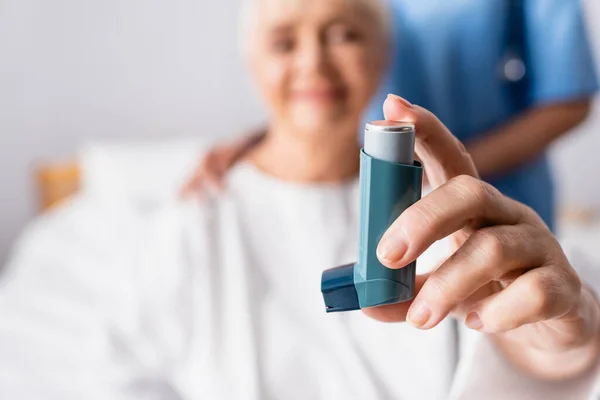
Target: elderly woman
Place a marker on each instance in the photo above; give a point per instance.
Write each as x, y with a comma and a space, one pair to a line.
220, 300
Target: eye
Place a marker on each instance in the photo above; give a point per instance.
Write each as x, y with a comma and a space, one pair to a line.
282, 45
340, 34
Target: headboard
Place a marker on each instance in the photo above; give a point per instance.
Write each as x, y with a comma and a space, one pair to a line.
56, 182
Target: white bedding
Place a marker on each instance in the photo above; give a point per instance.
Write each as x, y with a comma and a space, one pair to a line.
105, 299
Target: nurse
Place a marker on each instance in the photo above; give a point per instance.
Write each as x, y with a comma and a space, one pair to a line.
508, 77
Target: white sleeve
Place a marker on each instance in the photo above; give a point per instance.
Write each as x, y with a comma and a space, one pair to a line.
57, 295
483, 373
585, 267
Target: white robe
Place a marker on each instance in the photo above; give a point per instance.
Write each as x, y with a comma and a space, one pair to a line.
221, 300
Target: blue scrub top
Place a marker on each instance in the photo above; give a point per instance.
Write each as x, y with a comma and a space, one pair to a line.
449, 57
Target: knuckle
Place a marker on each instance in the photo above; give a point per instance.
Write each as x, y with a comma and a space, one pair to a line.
542, 296
490, 248
529, 214
482, 195
574, 280
424, 214
469, 186
493, 246
566, 276
528, 211
551, 249
463, 182
568, 281
440, 288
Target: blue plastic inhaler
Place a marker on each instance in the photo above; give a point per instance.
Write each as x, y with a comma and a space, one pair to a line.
390, 182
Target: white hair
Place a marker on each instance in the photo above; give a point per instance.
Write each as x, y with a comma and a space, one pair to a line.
248, 17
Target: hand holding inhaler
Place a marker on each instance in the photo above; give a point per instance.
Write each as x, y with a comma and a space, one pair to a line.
507, 275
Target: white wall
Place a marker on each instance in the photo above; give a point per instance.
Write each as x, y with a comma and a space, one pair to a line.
576, 158
72, 70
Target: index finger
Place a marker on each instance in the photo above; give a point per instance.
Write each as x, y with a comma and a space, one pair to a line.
442, 154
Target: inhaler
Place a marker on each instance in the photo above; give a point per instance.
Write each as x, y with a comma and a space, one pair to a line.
390, 182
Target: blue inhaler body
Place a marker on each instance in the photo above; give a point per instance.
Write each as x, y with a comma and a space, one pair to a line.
390, 182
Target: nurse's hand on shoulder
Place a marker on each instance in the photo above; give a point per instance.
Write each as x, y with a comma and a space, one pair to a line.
214, 165
508, 275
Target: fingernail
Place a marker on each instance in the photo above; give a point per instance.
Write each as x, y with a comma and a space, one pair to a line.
400, 99
391, 249
418, 314
473, 321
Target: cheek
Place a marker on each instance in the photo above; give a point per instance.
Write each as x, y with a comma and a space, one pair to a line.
273, 78
361, 71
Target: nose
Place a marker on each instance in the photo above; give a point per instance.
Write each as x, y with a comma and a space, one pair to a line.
312, 57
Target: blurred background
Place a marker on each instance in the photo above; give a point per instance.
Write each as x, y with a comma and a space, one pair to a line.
74, 72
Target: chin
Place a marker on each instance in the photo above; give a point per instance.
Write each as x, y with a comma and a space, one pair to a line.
315, 125
318, 119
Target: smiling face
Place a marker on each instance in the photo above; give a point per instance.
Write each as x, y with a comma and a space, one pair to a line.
317, 63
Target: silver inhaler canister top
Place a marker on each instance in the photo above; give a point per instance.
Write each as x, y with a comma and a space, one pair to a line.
390, 141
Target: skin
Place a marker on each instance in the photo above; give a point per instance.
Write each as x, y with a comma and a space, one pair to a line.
508, 278
526, 136
316, 64
498, 151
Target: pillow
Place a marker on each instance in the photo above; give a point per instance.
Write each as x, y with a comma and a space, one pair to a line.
145, 173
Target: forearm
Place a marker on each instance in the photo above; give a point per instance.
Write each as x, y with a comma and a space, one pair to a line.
578, 354
525, 137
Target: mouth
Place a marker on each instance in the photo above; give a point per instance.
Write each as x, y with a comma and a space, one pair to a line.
328, 95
